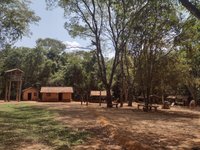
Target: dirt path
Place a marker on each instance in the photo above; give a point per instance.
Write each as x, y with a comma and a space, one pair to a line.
129, 128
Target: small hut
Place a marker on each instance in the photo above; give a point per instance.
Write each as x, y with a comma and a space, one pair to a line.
178, 99
99, 95
171, 98
56, 94
13, 76
30, 94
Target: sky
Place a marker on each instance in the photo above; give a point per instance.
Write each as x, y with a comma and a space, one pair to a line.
51, 25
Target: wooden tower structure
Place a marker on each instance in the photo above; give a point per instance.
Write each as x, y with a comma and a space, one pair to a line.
13, 75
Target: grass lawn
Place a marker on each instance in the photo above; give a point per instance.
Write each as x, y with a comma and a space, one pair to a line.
51, 126
27, 124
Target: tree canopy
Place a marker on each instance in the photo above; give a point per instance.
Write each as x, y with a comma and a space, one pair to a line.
15, 18
155, 51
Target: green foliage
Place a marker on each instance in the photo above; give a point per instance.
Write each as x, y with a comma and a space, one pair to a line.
15, 18
151, 42
77, 69
189, 47
81, 72
52, 47
155, 50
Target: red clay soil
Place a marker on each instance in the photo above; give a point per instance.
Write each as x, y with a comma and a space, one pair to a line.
128, 128
132, 129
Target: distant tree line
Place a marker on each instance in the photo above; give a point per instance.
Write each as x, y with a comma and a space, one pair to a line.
155, 46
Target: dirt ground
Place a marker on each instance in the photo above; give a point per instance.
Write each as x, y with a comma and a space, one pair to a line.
128, 128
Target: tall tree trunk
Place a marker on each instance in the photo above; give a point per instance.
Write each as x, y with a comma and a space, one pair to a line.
162, 90
130, 101
147, 100
109, 98
193, 92
121, 96
121, 90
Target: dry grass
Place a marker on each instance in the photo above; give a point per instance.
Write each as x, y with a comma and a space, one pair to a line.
129, 128
177, 128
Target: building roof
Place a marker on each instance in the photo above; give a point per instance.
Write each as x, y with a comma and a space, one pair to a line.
177, 97
16, 69
29, 89
171, 97
56, 90
98, 93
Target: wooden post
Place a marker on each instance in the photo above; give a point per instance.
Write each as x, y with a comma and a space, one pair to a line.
15, 76
87, 101
9, 90
17, 91
6, 92
100, 99
20, 90
81, 100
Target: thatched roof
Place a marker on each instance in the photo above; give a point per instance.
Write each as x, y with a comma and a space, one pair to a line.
16, 69
56, 90
98, 93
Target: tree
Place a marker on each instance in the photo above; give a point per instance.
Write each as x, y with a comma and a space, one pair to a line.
33, 58
123, 81
80, 72
52, 47
191, 7
30, 60
77, 69
151, 40
52, 67
189, 47
15, 18
107, 24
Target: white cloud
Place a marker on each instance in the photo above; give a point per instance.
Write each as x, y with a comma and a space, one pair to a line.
72, 45
75, 46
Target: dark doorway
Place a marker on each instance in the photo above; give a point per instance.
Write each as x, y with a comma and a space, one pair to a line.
29, 96
60, 96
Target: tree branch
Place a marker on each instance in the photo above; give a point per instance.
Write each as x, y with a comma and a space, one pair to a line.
190, 7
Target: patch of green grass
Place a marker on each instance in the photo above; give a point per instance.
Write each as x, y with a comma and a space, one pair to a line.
26, 123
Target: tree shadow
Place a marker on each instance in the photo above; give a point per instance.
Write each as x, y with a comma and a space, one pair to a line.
30, 124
